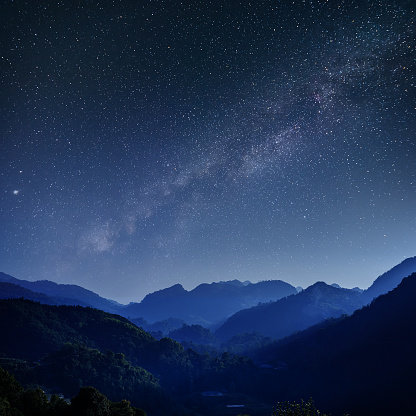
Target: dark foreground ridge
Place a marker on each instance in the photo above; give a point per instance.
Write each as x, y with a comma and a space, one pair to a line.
359, 364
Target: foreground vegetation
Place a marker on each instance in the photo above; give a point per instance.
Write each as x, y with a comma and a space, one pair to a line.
358, 364
65, 348
16, 401
301, 408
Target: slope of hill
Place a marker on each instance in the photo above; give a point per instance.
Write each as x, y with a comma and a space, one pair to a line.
207, 304
13, 291
67, 346
64, 294
283, 317
362, 364
34, 329
389, 280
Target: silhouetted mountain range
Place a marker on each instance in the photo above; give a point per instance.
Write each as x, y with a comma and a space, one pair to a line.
12, 291
362, 364
273, 308
389, 280
310, 306
207, 304
64, 348
61, 294
293, 313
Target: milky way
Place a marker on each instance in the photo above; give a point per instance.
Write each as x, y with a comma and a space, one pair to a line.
149, 143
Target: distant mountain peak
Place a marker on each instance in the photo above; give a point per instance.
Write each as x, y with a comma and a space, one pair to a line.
317, 286
208, 303
390, 279
7, 278
282, 317
63, 293
234, 282
172, 291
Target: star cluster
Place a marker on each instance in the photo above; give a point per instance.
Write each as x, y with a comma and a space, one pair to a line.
155, 142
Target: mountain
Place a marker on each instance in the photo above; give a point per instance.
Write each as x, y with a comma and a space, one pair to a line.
159, 329
174, 291
354, 288
12, 291
207, 304
196, 334
390, 279
63, 348
36, 329
293, 313
63, 294
362, 364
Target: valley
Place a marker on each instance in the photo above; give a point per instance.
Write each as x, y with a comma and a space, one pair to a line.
324, 342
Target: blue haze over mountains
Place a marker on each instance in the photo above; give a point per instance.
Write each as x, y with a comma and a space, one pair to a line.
361, 361
147, 144
279, 319
272, 308
364, 362
208, 303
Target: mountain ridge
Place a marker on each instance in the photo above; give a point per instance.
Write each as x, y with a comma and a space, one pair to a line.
293, 313
207, 304
390, 279
78, 294
362, 364
314, 304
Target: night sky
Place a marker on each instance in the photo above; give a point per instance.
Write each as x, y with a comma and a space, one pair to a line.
148, 143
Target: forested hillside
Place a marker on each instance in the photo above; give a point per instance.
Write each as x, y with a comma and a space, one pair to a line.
64, 348
63, 294
363, 364
293, 313
17, 401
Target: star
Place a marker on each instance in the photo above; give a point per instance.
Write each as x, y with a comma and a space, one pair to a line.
257, 140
